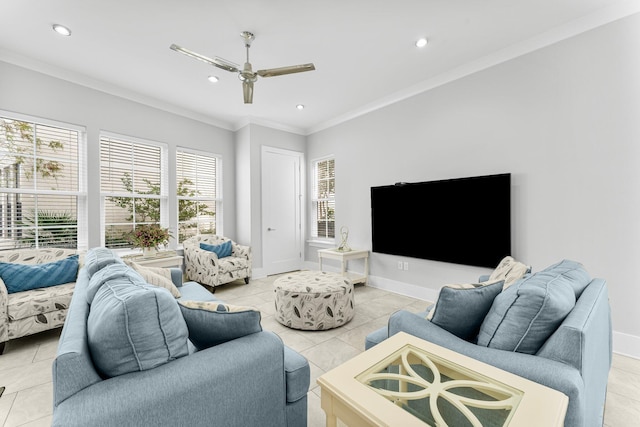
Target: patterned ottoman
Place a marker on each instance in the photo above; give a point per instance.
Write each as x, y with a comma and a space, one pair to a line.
313, 300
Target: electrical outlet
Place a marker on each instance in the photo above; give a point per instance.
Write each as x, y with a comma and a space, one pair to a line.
406, 266
399, 265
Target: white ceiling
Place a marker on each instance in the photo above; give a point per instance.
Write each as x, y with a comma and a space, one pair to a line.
363, 50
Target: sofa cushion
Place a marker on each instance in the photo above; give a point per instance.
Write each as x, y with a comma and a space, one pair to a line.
575, 273
156, 276
213, 322
98, 258
133, 326
523, 316
23, 277
510, 271
461, 309
107, 273
38, 302
222, 250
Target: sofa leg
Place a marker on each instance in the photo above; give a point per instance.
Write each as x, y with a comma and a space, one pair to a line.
2, 347
246, 280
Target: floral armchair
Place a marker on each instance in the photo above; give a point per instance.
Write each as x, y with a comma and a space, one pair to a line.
36, 310
206, 268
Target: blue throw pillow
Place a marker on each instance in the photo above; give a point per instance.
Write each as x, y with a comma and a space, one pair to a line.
222, 250
525, 315
22, 277
460, 309
213, 322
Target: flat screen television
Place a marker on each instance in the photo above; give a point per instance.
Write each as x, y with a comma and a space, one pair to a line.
462, 221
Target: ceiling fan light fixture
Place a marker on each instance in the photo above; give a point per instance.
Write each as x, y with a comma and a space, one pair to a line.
213, 79
61, 29
422, 42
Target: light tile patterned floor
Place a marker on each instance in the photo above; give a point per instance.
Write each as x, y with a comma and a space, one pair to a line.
25, 367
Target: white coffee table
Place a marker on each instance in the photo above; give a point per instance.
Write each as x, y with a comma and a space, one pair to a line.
393, 384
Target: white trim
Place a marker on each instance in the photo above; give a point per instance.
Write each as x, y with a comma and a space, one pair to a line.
601, 17
42, 121
108, 88
626, 345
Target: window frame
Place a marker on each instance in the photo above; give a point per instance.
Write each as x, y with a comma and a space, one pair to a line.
218, 199
315, 200
164, 185
81, 178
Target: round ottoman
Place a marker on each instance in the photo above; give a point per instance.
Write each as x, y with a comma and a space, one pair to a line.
313, 300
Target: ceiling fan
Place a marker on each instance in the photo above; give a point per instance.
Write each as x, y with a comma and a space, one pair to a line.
246, 73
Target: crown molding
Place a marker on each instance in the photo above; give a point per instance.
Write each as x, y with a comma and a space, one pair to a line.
82, 80
578, 26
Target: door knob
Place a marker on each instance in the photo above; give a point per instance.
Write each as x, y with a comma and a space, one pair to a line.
271, 229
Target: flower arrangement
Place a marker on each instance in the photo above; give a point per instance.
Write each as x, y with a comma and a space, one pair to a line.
149, 236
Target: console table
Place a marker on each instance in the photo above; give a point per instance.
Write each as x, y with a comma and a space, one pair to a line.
401, 381
344, 257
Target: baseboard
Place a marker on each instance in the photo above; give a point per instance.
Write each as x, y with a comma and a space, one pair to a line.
623, 344
626, 345
406, 289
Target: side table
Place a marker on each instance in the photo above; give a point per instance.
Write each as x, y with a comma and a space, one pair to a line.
344, 257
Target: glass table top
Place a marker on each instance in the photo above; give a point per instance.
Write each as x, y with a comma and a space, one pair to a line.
440, 392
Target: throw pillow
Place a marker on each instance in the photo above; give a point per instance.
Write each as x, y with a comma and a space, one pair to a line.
156, 276
461, 309
222, 250
212, 322
133, 326
510, 271
524, 316
25, 277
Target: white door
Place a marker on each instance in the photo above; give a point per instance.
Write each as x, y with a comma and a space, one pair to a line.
281, 210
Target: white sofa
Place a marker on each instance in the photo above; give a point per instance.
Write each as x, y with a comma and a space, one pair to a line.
37, 310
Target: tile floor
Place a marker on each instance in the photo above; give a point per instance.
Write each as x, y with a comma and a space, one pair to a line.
25, 367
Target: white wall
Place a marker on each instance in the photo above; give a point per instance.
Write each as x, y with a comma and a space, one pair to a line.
35, 94
252, 138
563, 120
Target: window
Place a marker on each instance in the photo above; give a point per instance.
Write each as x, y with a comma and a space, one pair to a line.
324, 199
198, 193
133, 186
42, 184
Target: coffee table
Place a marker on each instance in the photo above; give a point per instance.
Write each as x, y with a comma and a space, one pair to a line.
407, 381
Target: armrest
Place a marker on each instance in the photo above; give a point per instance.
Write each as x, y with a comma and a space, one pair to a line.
550, 373
209, 386
239, 250
4, 301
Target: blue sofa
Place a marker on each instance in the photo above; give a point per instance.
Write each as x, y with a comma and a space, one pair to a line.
575, 359
251, 380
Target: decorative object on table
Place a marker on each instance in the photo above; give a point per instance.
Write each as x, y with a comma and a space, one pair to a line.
149, 237
344, 246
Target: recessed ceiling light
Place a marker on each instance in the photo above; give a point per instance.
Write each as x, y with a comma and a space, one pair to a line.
300, 107
61, 29
213, 79
421, 42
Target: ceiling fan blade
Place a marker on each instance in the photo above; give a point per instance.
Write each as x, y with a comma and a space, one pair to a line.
247, 91
273, 72
217, 62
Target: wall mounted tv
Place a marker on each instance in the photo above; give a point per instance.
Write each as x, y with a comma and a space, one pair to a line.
461, 221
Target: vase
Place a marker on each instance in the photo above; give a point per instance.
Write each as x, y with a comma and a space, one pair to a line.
149, 252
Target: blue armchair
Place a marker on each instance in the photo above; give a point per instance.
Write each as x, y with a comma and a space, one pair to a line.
251, 380
575, 359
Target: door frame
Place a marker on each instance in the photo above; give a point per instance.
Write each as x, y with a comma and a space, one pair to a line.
301, 202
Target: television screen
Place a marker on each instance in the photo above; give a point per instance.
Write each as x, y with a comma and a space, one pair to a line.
461, 221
